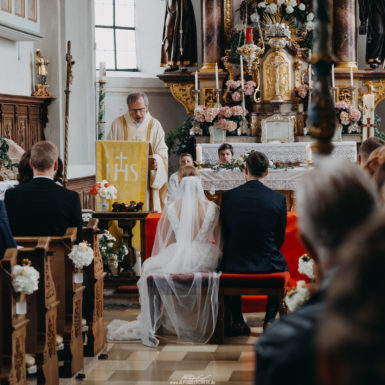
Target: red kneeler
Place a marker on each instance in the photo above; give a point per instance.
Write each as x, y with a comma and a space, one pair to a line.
292, 249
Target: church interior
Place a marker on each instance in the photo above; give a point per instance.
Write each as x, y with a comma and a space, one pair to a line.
192, 192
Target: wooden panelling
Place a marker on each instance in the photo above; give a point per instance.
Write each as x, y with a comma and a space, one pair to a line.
83, 186
23, 118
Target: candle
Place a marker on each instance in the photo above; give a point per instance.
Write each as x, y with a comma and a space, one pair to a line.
308, 153
309, 69
198, 152
351, 77
216, 76
242, 80
102, 72
196, 80
249, 34
333, 80
368, 116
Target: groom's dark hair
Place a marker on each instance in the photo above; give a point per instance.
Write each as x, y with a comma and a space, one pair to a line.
257, 164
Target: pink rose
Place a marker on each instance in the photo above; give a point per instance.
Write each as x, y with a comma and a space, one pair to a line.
250, 84
302, 90
211, 114
232, 84
342, 106
226, 112
355, 114
227, 125
236, 96
237, 110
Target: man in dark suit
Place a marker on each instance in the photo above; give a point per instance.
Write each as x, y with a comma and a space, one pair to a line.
6, 238
334, 199
42, 207
253, 219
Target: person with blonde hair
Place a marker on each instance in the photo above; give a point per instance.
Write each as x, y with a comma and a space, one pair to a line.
376, 158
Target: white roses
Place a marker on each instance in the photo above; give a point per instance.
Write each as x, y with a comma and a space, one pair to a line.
272, 8
81, 255
25, 279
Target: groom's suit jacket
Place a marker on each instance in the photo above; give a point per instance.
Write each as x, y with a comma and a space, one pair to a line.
6, 238
253, 219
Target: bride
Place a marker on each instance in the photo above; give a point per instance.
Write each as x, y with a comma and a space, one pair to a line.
187, 242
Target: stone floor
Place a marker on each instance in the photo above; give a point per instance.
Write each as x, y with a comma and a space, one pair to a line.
170, 363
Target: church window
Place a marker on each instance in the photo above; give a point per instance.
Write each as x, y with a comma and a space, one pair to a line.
115, 34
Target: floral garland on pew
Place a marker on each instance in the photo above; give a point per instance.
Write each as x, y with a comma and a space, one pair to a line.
81, 255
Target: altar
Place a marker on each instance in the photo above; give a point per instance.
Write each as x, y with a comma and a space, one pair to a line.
282, 152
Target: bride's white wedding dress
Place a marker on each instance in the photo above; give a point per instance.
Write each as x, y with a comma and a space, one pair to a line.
187, 242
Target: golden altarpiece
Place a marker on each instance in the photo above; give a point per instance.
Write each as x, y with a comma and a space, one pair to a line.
280, 67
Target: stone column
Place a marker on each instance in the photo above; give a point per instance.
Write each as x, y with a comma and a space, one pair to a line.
345, 34
212, 34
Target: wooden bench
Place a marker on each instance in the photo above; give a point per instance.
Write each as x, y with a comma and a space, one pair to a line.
95, 321
42, 312
70, 295
12, 327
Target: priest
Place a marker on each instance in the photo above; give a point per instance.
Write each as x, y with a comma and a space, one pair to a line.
137, 124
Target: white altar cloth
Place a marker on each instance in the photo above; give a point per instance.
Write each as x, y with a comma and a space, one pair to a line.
283, 152
277, 179
5, 185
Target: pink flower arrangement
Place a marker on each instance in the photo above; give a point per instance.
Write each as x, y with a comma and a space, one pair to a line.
211, 114
250, 87
348, 117
200, 114
237, 110
233, 84
226, 112
234, 89
227, 125
355, 114
236, 96
302, 90
343, 106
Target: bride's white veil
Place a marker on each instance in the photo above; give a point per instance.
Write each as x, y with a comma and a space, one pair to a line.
179, 287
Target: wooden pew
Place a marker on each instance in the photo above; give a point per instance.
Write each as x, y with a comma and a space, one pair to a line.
42, 312
70, 295
95, 320
12, 327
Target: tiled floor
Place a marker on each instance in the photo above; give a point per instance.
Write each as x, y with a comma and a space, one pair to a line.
169, 363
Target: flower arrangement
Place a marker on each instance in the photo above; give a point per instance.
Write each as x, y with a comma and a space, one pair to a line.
123, 207
205, 117
231, 165
233, 87
86, 217
230, 118
110, 255
25, 279
306, 266
348, 118
296, 297
81, 255
104, 190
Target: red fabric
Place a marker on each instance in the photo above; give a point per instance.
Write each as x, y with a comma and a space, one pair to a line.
150, 225
292, 249
255, 280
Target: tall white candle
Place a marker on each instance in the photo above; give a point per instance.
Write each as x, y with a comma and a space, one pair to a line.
333, 80
351, 77
196, 80
198, 152
242, 76
216, 77
102, 72
309, 69
308, 153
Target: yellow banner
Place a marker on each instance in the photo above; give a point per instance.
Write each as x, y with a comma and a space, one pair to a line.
124, 165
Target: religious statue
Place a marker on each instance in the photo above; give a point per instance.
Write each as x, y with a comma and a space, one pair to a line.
179, 44
41, 88
372, 17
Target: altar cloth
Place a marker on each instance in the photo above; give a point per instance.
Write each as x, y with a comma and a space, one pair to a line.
283, 152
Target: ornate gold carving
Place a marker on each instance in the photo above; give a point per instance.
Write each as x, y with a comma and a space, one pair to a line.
182, 92
99, 300
282, 69
376, 87
77, 319
209, 97
51, 338
50, 292
344, 94
19, 358
227, 18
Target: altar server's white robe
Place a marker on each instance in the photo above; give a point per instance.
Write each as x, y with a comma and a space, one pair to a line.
150, 130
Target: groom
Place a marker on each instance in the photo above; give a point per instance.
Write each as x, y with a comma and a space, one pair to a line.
253, 219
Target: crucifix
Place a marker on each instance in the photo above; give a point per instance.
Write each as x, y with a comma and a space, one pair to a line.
276, 64
367, 131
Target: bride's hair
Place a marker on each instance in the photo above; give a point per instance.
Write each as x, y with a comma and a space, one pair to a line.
187, 171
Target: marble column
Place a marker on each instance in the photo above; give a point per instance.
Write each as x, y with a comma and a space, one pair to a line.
212, 33
345, 34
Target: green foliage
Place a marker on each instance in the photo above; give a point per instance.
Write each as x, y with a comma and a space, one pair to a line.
5, 161
179, 139
111, 255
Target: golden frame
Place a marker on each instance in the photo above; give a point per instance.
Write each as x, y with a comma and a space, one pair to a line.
9, 8
34, 18
227, 17
22, 3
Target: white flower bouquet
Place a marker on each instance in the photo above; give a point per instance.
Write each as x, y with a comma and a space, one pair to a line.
81, 255
306, 266
25, 278
104, 190
110, 255
296, 297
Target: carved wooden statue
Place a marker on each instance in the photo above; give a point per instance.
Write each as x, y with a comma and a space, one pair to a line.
372, 17
179, 44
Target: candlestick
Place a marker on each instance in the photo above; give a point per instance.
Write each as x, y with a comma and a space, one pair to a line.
333, 79
198, 153
102, 72
351, 77
196, 80
242, 80
216, 76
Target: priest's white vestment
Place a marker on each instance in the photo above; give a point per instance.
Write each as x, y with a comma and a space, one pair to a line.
151, 131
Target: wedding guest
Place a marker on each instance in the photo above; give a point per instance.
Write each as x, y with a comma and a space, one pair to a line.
351, 334
185, 159
41, 207
253, 219
367, 147
225, 153
379, 180
6, 238
376, 158
333, 200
